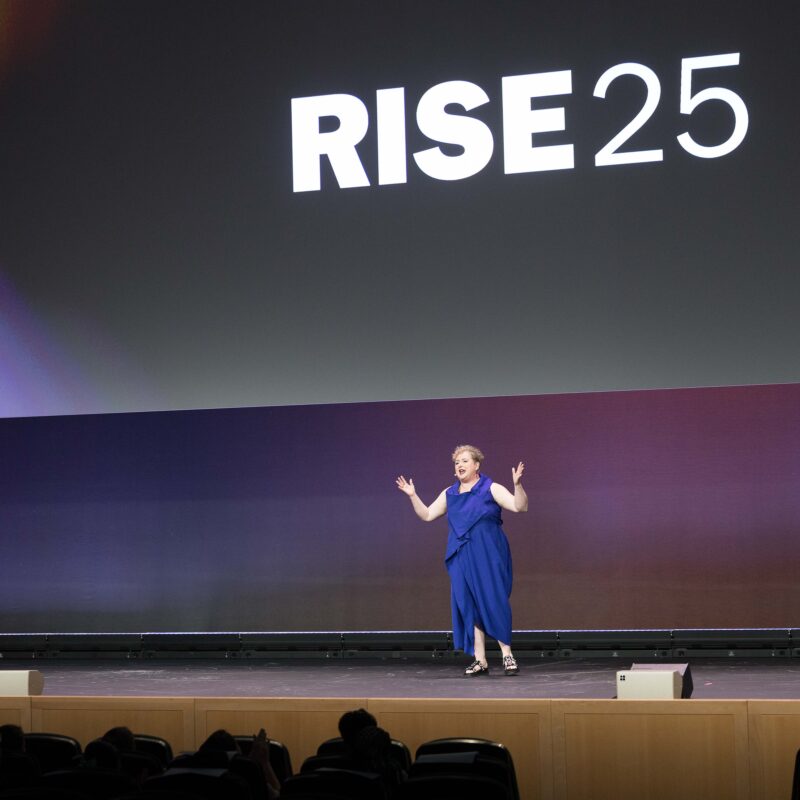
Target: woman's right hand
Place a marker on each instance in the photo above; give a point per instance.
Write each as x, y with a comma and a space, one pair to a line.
406, 486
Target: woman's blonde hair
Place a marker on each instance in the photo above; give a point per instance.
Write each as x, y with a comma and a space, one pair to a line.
471, 449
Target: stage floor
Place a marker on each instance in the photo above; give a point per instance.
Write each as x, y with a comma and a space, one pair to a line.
714, 679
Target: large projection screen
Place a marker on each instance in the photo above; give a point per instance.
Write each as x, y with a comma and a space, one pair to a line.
257, 258
514, 198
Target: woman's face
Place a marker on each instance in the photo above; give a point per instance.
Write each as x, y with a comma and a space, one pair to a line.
466, 466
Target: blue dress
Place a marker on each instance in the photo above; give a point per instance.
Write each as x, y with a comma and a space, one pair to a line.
478, 560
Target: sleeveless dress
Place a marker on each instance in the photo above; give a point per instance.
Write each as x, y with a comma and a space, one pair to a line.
478, 560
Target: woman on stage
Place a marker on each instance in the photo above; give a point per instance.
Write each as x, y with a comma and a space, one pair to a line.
478, 557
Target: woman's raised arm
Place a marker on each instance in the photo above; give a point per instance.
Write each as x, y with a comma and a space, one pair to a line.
512, 502
436, 509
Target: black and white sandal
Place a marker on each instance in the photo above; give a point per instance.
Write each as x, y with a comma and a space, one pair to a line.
510, 665
476, 668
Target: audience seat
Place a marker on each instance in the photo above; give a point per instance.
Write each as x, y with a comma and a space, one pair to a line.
441, 787
250, 772
140, 766
53, 751
334, 783
95, 783
279, 757
313, 763
43, 793
155, 794
485, 748
154, 746
209, 784
399, 752
18, 770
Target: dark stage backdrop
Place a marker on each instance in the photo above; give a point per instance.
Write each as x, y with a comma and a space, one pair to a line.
154, 254
670, 508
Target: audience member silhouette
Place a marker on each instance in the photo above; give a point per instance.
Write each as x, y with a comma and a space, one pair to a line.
122, 738
97, 772
372, 753
100, 754
12, 739
369, 746
18, 769
351, 723
139, 766
221, 749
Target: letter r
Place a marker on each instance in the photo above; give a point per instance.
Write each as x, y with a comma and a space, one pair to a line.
309, 145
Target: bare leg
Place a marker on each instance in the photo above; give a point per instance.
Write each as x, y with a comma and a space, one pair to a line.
480, 645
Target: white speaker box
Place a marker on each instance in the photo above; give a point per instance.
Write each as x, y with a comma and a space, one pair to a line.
20, 682
649, 684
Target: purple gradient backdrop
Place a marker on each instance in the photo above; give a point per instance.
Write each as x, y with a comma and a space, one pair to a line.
675, 508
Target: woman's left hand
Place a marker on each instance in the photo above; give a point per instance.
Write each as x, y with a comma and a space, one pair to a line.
516, 474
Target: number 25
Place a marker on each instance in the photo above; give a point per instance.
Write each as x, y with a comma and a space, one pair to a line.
609, 155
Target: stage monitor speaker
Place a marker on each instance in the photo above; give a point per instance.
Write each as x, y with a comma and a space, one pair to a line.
20, 682
655, 682
687, 687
